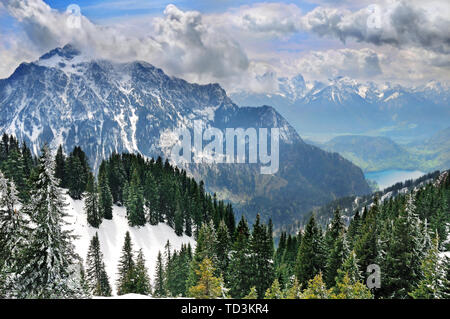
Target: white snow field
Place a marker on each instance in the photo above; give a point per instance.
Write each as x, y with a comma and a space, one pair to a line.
111, 234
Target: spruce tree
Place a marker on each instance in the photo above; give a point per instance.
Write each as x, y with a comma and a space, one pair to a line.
126, 282
274, 291
105, 196
404, 254
309, 259
366, 246
261, 258
209, 286
206, 248
239, 269
60, 162
135, 201
141, 273
222, 248
13, 233
91, 203
179, 219
151, 198
433, 276
96, 275
49, 261
336, 258
159, 287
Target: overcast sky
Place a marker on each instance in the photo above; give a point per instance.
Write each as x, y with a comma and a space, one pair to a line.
241, 44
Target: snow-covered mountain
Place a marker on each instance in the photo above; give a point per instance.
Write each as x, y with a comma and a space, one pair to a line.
111, 233
71, 99
344, 105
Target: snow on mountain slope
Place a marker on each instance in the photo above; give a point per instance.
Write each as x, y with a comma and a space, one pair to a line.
112, 233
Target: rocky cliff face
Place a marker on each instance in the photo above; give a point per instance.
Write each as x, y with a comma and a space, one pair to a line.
103, 106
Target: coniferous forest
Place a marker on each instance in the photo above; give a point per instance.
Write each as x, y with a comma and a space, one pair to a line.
391, 249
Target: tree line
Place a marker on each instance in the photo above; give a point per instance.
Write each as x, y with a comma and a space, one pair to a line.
404, 236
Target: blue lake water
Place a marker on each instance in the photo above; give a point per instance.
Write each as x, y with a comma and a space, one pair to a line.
390, 177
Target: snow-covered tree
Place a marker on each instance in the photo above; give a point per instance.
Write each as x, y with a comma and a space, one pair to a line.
12, 232
49, 261
431, 286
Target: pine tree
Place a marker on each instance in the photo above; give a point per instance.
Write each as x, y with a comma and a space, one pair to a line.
105, 196
316, 289
208, 286
366, 246
239, 269
60, 161
151, 198
206, 248
222, 248
252, 294
345, 289
403, 255
433, 276
142, 278
350, 268
337, 256
126, 282
159, 288
91, 203
295, 290
262, 272
84, 286
135, 201
179, 218
13, 233
309, 259
96, 274
274, 292
76, 176
12, 223
49, 260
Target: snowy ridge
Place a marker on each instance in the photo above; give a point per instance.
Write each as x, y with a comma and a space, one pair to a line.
111, 234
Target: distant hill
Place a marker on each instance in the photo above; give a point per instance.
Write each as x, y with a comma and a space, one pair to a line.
381, 153
435, 151
372, 153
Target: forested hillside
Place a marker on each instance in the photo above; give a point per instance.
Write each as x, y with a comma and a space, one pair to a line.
395, 248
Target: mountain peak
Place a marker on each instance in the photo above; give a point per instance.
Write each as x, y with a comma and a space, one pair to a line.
69, 51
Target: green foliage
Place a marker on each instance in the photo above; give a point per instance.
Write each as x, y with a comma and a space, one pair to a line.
208, 286
346, 289
432, 284
316, 289
274, 292
91, 203
96, 276
126, 283
310, 258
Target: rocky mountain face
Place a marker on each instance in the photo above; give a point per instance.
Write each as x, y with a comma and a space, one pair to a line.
67, 98
343, 106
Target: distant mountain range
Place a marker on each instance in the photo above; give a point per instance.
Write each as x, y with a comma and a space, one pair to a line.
67, 98
346, 106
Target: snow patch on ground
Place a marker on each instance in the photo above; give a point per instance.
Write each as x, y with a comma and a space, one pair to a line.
112, 233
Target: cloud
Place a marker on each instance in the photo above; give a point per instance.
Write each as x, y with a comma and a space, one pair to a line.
357, 64
265, 19
398, 23
179, 42
248, 47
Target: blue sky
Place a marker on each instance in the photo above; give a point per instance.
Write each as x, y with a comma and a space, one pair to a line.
243, 44
99, 9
